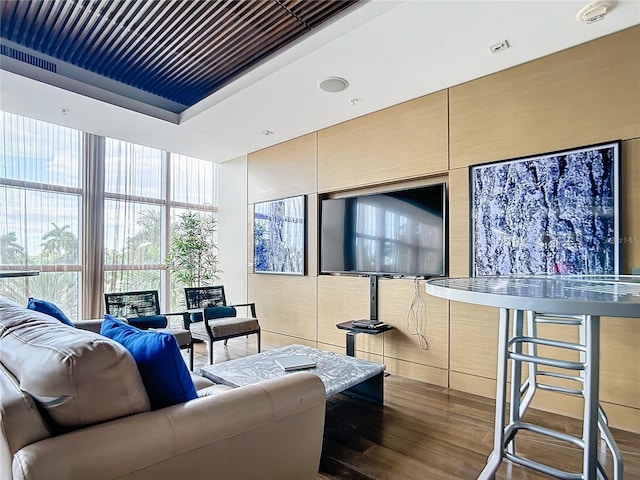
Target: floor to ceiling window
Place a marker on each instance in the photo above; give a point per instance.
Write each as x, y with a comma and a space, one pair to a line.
133, 216
93, 214
40, 205
192, 185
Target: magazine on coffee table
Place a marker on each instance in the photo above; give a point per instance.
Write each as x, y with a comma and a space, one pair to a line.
295, 362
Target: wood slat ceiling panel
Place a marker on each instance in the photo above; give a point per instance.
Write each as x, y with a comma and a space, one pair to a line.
179, 50
223, 26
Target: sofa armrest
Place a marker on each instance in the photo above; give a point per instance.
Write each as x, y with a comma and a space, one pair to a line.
93, 324
271, 429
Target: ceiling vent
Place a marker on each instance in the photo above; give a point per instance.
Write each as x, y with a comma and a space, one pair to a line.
27, 58
595, 11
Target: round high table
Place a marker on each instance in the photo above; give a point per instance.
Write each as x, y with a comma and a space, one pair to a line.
570, 300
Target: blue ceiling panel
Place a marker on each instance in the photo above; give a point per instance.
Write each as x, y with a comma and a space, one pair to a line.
174, 50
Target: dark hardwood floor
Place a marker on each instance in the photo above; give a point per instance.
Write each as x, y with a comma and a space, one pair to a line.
426, 432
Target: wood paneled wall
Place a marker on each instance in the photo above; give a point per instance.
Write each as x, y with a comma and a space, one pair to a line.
398, 143
584, 95
285, 304
285, 170
630, 203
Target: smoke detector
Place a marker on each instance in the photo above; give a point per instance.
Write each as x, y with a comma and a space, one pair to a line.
595, 11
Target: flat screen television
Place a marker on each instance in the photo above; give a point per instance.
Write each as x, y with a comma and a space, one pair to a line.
398, 233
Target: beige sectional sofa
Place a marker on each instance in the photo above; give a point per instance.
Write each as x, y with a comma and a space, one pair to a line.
73, 406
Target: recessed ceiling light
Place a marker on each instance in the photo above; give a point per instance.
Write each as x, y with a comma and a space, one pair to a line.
63, 110
333, 85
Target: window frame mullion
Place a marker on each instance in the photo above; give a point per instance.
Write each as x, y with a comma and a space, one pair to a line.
165, 277
92, 245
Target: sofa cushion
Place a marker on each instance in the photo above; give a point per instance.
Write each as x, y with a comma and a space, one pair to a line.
22, 423
5, 302
49, 308
163, 371
215, 389
76, 377
200, 382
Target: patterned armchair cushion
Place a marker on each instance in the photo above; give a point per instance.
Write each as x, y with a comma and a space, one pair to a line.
226, 327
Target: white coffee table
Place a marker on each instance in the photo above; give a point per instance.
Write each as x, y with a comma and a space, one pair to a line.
340, 373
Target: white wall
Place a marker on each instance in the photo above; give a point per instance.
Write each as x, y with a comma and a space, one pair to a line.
232, 228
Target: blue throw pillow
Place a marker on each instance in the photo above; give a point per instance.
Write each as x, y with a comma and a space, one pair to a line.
162, 369
148, 321
219, 312
212, 312
50, 309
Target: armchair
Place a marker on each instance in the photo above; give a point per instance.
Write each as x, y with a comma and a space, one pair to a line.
213, 320
142, 310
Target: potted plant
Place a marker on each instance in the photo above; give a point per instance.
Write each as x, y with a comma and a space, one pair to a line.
192, 257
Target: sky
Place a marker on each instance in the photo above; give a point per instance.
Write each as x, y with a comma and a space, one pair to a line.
35, 151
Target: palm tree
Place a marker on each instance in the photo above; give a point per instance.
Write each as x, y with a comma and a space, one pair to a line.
11, 252
142, 248
60, 245
58, 287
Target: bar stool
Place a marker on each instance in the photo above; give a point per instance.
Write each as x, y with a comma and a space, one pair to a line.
583, 373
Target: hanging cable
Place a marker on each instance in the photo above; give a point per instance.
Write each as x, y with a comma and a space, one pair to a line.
413, 316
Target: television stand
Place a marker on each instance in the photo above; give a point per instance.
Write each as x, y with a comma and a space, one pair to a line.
373, 298
365, 323
352, 331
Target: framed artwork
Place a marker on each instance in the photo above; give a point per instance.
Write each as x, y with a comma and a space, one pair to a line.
279, 236
557, 213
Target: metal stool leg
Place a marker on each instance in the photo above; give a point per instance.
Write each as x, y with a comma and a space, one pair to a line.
580, 321
591, 389
489, 471
618, 465
529, 387
515, 414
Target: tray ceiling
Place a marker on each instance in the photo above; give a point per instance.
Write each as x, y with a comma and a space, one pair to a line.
390, 51
169, 54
